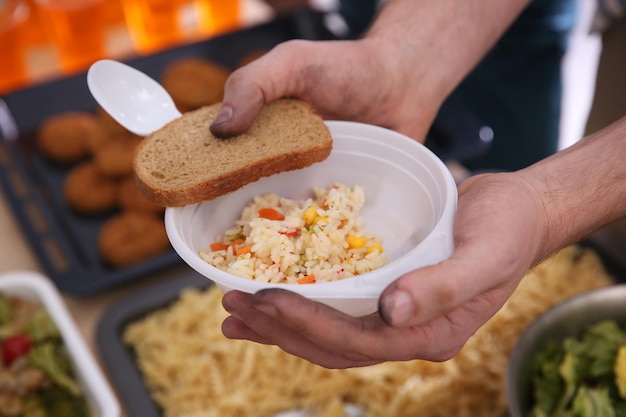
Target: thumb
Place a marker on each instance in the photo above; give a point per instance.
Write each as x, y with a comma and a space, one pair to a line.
242, 102
251, 86
425, 294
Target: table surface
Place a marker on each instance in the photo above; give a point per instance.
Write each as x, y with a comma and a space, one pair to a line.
15, 252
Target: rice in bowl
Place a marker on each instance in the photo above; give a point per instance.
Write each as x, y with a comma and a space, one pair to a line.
319, 239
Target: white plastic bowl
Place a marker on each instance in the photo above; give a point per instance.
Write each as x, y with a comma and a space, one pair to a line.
410, 201
33, 286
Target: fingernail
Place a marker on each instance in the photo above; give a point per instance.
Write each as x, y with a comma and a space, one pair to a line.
397, 308
223, 116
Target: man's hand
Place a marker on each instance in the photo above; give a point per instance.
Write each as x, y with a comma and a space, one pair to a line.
341, 80
428, 313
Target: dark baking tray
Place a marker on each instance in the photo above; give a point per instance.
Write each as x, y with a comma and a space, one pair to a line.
118, 358
64, 242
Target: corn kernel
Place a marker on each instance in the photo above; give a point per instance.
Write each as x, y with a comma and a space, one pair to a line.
355, 242
309, 215
320, 219
373, 247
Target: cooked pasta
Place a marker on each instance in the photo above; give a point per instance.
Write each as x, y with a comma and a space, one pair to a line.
192, 370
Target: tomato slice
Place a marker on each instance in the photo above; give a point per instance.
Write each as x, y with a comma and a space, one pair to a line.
15, 346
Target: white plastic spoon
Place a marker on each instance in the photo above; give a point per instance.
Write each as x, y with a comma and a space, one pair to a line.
132, 98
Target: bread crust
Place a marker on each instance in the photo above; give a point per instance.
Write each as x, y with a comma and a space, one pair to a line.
183, 163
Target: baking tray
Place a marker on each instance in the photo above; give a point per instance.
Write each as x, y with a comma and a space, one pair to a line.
118, 358
63, 241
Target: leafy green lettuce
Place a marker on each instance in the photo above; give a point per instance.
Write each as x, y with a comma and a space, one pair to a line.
575, 378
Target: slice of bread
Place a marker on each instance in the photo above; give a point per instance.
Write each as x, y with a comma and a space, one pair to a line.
183, 163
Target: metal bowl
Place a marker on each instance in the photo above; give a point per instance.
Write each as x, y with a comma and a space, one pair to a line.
567, 319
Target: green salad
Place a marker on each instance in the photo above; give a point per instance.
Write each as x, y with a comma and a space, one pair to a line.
583, 376
36, 375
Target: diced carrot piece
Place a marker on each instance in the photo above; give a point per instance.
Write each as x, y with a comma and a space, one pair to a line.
290, 232
242, 250
270, 214
309, 279
218, 246
236, 242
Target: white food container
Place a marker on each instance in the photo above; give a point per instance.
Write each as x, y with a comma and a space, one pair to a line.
33, 286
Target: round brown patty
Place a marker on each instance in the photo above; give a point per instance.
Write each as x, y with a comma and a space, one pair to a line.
132, 237
65, 138
194, 82
114, 157
129, 197
87, 191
